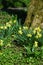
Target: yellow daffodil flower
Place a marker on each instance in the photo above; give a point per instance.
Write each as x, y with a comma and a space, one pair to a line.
14, 21
20, 32
36, 44
1, 27
39, 29
39, 35
5, 27
1, 42
8, 25
29, 35
25, 27
10, 22
34, 31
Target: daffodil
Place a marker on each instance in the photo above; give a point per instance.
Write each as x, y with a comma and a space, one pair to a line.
8, 24
5, 27
39, 35
20, 32
25, 27
29, 35
1, 42
1, 27
36, 44
39, 29
14, 21
34, 31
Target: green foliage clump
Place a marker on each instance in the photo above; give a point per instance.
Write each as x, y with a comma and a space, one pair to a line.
33, 38
29, 43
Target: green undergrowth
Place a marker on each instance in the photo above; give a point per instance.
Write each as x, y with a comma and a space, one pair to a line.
19, 45
14, 56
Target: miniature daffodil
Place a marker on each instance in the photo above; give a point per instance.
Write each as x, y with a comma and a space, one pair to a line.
14, 21
36, 44
20, 32
8, 25
29, 35
39, 35
1, 42
25, 27
10, 22
5, 27
1, 27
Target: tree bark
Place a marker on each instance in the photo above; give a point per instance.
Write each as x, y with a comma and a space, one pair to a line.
35, 14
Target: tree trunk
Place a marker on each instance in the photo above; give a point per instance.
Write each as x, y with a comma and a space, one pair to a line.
35, 14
